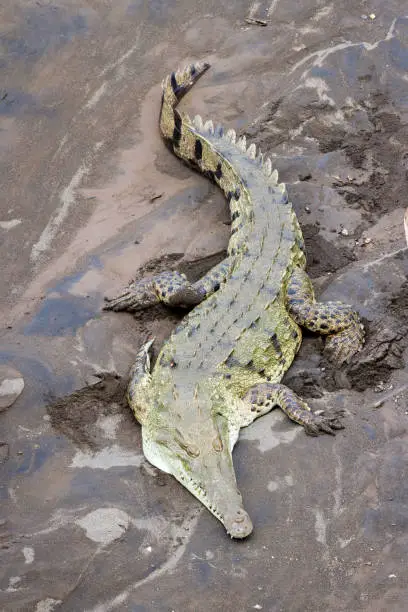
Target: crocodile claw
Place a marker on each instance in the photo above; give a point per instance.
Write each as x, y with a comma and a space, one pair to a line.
324, 424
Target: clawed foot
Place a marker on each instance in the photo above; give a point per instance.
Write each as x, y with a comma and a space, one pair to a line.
318, 423
124, 301
136, 296
171, 288
341, 347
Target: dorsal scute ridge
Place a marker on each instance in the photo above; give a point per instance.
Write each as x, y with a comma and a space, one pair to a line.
198, 123
181, 72
274, 177
267, 167
231, 136
241, 144
209, 127
251, 151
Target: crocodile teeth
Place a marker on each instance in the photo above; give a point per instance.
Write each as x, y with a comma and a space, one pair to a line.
274, 177
209, 127
241, 144
282, 187
231, 136
251, 151
198, 122
267, 167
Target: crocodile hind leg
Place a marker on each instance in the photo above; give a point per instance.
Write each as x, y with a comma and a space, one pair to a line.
171, 288
338, 322
265, 396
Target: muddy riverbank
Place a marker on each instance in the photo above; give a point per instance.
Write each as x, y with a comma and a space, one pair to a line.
92, 198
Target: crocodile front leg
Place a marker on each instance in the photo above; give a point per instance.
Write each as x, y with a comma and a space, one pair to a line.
171, 288
265, 396
339, 322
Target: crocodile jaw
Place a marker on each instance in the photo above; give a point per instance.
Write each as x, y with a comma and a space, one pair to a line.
226, 504
211, 480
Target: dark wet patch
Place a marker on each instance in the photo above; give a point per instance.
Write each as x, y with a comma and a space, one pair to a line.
63, 286
62, 316
399, 55
41, 380
16, 103
322, 72
370, 431
43, 29
34, 456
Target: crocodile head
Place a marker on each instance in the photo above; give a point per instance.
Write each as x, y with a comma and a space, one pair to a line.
197, 452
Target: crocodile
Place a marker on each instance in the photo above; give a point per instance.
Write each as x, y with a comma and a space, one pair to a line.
222, 366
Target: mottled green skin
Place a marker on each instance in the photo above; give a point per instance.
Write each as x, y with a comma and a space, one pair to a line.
221, 368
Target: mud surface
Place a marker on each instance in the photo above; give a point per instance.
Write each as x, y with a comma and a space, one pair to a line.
92, 198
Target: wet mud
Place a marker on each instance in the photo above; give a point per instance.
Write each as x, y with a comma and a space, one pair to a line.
93, 199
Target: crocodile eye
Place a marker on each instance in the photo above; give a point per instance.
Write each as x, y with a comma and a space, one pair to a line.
192, 450
217, 444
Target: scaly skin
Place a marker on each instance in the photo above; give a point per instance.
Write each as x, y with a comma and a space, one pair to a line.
222, 366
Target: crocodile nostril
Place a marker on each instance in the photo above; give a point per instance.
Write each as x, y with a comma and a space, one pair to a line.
217, 444
240, 525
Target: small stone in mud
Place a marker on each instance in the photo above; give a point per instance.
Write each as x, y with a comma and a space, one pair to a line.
11, 386
156, 196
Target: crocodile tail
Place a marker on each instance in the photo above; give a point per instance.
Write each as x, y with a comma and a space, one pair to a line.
175, 86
